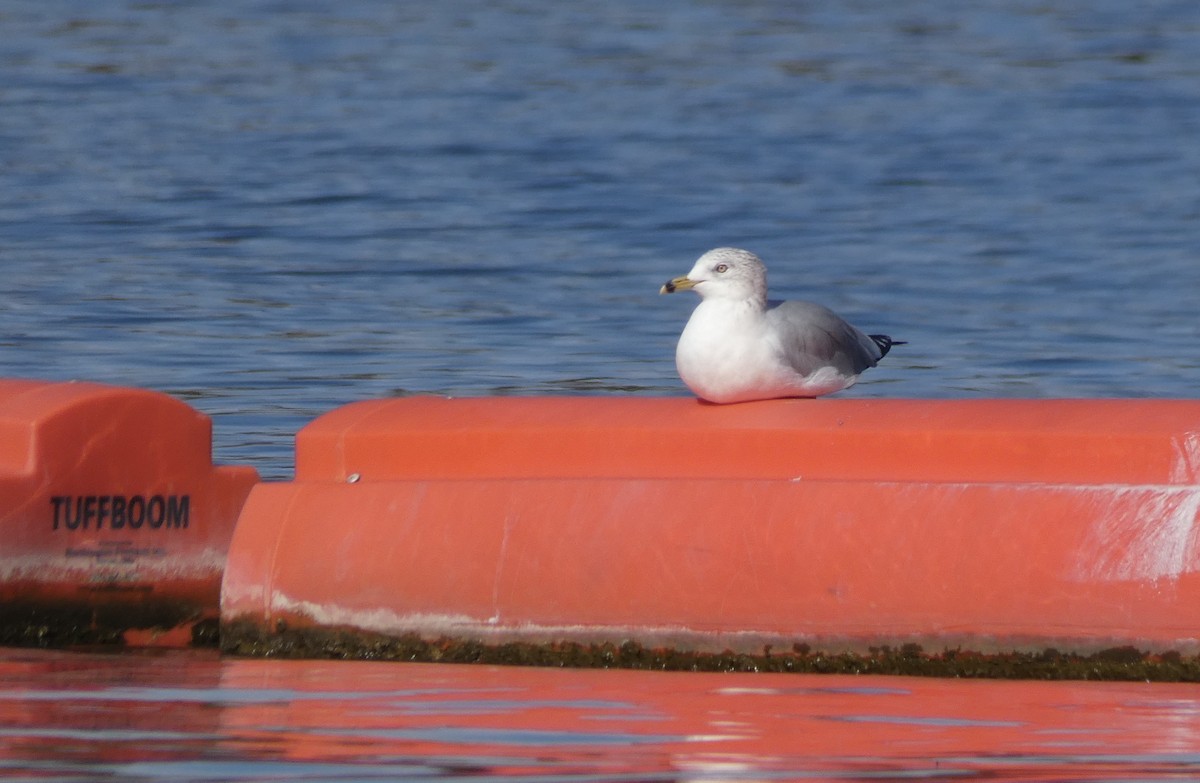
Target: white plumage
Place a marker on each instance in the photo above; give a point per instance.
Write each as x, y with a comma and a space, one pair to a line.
737, 346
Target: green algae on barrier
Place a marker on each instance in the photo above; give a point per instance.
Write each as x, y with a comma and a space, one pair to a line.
66, 624
1117, 663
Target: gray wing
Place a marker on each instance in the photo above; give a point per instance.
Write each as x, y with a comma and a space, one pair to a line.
813, 336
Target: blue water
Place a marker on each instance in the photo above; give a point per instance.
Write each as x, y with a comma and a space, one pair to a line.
270, 209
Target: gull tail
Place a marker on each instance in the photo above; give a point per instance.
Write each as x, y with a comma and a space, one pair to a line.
885, 343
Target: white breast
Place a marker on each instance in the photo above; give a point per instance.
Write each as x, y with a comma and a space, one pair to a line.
726, 354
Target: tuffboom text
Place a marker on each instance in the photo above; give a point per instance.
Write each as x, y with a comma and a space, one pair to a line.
120, 512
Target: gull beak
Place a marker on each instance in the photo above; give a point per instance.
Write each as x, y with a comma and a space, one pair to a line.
677, 284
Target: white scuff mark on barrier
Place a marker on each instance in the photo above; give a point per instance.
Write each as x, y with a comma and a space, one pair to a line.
1186, 465
452, 624
379, 620
1148, 538
131, 563
500, 560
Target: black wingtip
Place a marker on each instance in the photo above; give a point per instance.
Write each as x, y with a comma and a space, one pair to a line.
885, 343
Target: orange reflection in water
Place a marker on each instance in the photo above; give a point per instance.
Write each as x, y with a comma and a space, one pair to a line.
195, 716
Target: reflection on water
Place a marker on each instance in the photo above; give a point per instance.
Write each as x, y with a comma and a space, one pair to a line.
196, 717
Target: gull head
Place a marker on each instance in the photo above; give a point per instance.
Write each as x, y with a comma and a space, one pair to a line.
724, 273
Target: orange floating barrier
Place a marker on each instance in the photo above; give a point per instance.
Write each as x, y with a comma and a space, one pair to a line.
114, 524
829, 524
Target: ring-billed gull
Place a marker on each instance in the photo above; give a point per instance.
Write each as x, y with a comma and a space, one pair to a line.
737, 346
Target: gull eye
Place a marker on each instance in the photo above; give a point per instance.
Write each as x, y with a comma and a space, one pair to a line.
722, 268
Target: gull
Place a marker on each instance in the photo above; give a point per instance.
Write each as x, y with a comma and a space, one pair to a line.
738, 346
